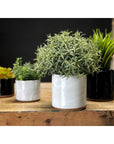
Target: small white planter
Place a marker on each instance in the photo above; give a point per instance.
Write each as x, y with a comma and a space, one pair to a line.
28, 90
69, 93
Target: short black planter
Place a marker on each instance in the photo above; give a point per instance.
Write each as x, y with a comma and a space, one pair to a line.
100, 87
6, 87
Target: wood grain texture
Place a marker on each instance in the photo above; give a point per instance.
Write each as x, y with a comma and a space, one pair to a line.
41, 113
79, 118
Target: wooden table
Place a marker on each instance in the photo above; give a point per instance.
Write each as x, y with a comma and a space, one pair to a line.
41, 113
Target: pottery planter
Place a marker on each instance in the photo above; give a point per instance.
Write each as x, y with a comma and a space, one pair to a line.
68, 93
100, 86
6, 87
28, 90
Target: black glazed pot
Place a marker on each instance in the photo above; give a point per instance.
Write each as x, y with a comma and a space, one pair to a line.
100, 87
6, 87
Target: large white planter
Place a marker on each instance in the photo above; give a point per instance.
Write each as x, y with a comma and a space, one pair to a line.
69, 93
28, 90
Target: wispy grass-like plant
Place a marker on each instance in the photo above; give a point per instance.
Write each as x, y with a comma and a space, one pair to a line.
68, 54
106, 45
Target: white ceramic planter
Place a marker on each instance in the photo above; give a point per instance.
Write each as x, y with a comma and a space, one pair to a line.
28, 90
69, 93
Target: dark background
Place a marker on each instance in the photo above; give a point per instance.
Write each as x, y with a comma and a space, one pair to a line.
20, 37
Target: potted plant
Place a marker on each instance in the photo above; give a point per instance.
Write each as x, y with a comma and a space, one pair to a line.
68, 58
100, 85
6, 82
27, 81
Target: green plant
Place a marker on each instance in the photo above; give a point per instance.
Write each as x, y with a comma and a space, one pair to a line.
68, 54
25, 71
106, 45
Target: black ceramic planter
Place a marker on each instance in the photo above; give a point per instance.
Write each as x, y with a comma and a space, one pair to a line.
100, 87
6, 87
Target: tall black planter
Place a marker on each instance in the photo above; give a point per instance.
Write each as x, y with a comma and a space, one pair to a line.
6, 87
100, 87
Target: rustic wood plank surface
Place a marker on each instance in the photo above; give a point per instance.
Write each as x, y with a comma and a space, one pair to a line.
11, 105
41, 113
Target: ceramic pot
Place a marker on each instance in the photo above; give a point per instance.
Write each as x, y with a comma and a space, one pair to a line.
68, 93
6, 87
28, 90
100, 86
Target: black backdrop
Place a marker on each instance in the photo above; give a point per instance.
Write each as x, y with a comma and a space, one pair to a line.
20, 37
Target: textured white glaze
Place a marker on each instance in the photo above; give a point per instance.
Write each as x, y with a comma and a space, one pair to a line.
28, 90
68, 93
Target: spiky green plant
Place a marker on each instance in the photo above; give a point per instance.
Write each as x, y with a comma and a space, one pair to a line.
106, 45
25, 71
68, 54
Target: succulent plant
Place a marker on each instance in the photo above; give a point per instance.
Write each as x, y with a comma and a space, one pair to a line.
6, 73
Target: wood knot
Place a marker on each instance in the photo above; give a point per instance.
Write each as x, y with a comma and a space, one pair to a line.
104, 116
19, 117
48, 121
111, 116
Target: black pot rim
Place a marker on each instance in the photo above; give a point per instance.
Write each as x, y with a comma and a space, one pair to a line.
7, 79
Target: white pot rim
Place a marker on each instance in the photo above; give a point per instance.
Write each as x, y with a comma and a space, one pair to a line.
69, 76
26, 80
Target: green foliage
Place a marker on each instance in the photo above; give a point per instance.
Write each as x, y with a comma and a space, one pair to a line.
68, 54
25, 71
106, 45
